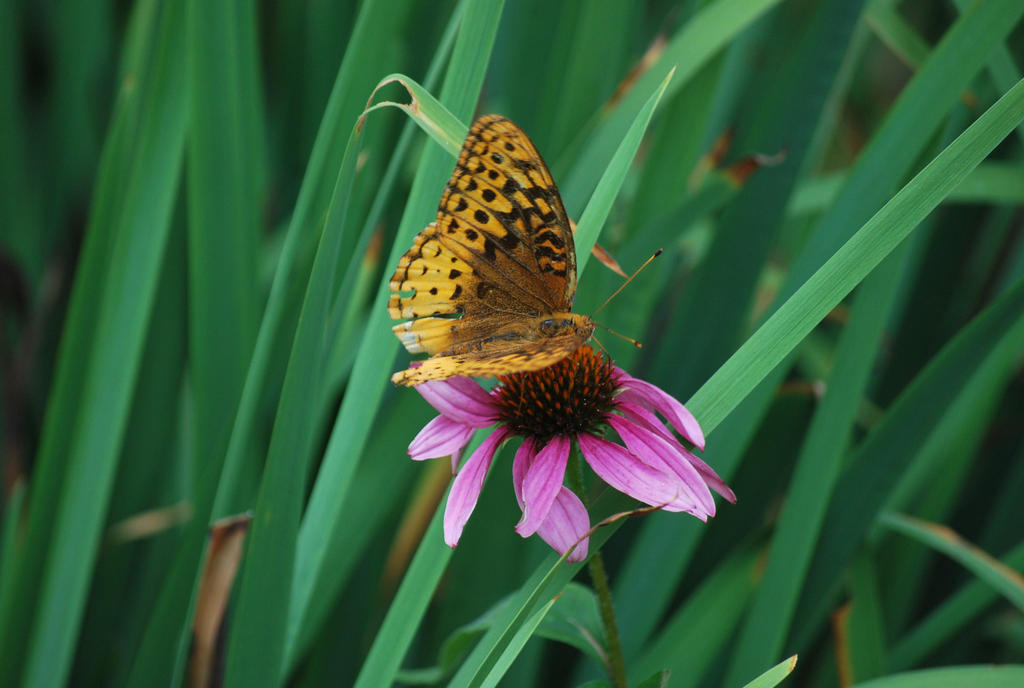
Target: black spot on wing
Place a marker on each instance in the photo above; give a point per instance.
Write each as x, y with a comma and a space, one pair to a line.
509, 241
490, 250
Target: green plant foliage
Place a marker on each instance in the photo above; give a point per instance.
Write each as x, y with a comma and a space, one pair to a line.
201, 208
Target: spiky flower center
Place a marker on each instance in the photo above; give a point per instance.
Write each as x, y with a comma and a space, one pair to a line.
567, 398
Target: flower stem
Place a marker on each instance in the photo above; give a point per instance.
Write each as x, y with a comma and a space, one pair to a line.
595, 564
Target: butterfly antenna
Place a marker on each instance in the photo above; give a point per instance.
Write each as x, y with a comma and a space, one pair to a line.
623, 286
617, 334
600, 346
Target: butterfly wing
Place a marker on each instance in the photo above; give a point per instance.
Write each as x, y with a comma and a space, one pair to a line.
503, 204
501, 358
500, 250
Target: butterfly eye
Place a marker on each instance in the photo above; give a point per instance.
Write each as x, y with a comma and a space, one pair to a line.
550, 327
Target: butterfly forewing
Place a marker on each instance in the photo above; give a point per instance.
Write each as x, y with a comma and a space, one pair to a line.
503, 189
498, 260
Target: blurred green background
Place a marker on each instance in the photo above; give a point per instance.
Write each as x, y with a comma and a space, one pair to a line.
195, 245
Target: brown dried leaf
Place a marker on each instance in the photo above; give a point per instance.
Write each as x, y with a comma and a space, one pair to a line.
223, 555
606, 259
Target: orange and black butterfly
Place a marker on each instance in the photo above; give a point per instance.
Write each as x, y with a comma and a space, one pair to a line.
490, 283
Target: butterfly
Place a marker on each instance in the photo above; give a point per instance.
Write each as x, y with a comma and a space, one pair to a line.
490, 283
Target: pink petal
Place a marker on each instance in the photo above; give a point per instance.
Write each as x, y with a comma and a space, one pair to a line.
650, 421
521, 465
656, 399
440, 437
468, 483
628, 474
652, 448
460, 399
542, 484
567, 522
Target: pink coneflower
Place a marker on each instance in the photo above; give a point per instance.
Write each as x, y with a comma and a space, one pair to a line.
578, 399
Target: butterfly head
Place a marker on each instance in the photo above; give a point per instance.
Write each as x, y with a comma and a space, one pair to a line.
566, 323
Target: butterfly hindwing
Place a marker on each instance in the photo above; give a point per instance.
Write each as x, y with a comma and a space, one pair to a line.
502, 359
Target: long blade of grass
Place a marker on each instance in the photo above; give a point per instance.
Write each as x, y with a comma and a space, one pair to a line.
427, 113
157, 657
695, 635
990, 182
255, 654
1001, 65
725, 281
892, 150
373, 362
992, 341
76, 342
796, 317
109, 373
847, 267
859, 626
945, 623
817, 469
328, 586
724, 285
953, 677
223, 221
607, 188
1002, 578
696, 43
775, 675
915, 117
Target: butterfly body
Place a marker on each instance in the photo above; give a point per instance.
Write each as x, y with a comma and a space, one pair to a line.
489, 285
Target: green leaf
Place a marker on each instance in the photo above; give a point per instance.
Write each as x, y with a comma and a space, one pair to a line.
427, 112
256, 657
953, 677
90, 412
223, 221
818, 466
990, 343
773, 341
157, 657
1004, 579
947, 621
371, 370
576, 620
775, 675
698, 41
607, 189
697, 633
